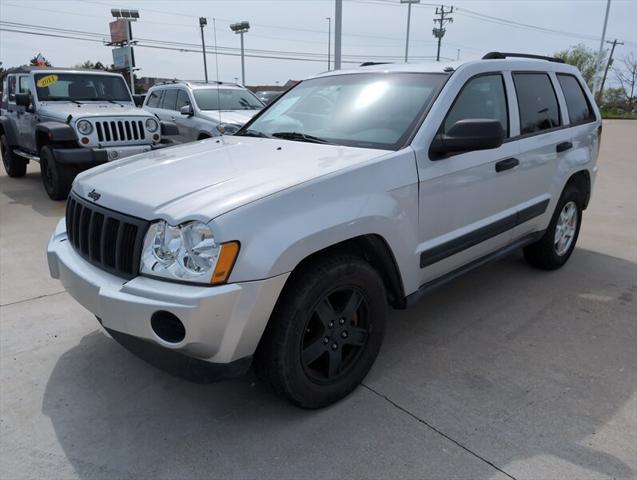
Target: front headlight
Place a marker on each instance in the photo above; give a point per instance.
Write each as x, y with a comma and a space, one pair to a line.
187, 252
151, 125
84, 127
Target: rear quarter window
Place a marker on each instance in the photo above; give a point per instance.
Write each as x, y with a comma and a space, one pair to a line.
537, 102
577, 104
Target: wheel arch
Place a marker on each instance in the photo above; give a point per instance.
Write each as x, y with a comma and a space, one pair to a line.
7, 128
582, 181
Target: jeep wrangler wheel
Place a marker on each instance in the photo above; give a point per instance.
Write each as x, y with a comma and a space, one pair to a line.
325, 331
13, 164
556, 246
57, 178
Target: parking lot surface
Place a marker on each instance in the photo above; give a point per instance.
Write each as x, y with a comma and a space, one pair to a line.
508, 372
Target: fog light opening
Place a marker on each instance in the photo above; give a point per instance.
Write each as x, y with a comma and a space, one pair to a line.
167, 327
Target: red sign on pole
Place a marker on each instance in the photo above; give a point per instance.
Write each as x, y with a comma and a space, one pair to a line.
119, 31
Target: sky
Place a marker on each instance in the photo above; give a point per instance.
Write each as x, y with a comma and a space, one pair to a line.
372, 30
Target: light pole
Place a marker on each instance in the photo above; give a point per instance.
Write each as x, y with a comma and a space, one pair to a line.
202, 23
329, 41
241, 28
129, 16
408, 2
338, 30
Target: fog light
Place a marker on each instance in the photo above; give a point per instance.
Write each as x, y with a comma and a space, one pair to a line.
113, 154
85, 140
156, 137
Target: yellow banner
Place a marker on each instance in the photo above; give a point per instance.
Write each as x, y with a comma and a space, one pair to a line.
46, 81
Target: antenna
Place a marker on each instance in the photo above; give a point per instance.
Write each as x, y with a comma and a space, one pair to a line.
214, 30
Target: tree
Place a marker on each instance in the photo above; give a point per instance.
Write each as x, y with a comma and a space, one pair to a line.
614, 98
584, 58
1, 69
627, 78
34, 61
88, 65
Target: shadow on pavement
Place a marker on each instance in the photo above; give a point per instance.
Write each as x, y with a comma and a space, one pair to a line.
29, 191
521, 367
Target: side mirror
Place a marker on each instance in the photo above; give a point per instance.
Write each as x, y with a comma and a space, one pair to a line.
139, 100
23, 99
168, 128
187, 110
468, 135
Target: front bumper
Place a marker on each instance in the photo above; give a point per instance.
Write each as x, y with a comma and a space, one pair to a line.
223, 324
91, 157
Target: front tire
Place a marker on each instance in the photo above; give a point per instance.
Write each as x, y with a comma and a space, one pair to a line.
325, 331
14, 165
556, 246
56, 178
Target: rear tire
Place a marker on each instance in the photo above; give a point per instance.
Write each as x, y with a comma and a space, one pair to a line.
325, 331
56, 178
14, 165
556, 246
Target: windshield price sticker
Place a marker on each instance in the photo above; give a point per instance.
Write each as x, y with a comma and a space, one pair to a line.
46, 81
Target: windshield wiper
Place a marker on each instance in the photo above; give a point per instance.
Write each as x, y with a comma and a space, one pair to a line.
61, 99
251, 133
301, 137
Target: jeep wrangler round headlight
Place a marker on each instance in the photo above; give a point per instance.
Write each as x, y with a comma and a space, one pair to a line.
187, 252
151, 125
84, 127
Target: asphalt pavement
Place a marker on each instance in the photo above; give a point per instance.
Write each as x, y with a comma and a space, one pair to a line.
508, 372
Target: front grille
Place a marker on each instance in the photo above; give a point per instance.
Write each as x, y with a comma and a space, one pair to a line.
120, 130
109, 240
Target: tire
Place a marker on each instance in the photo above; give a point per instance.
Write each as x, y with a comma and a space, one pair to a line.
318, 347
56, 178
14, 165
547, 253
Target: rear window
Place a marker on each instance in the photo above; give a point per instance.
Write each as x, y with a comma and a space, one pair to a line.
170, 99
537, 102
579, 108
153, 99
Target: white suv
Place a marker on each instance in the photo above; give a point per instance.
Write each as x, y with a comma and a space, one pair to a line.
283, 245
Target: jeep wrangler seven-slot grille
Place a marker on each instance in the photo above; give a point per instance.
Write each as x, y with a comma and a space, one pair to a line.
120, 130
109, 240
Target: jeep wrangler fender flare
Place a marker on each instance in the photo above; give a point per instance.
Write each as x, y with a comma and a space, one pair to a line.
7, 128
54, 132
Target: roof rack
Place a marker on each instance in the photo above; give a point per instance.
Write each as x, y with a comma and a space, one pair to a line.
501, 55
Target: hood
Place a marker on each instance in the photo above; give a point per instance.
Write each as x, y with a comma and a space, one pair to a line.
204, 179
238, 117
61, 110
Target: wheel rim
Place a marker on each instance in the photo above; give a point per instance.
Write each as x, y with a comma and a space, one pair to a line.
565, 228
335, 335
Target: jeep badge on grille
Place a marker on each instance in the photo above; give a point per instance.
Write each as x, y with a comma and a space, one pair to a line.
93, 195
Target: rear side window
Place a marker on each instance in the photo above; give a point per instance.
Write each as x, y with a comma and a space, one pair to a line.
481, 97
153, 99
579, 108
170, 99
537, 102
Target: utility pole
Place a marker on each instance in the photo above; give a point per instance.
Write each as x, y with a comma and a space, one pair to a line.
128, 16
600, 94
408, 2
600, 54
338, 30
440, 30
202, 23
329, 41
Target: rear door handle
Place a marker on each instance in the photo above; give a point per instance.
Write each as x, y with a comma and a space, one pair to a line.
507, 164
562, 147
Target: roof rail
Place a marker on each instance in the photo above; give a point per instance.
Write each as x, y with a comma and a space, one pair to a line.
500, 55
369, 64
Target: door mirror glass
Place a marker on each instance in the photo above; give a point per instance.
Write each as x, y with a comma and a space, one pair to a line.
22, 99
187, 110
467, 135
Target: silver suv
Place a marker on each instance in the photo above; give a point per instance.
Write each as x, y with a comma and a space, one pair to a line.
202, 110
70, 120
284, 244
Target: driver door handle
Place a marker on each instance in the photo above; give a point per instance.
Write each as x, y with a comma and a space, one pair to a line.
506, 164
562, 147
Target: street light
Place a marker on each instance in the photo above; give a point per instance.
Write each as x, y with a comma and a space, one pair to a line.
241, 28
408, 2
329, 41
129, 16
202, 23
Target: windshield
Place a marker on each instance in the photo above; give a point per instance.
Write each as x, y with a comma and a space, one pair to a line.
226, 99
80, 87
374, 110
